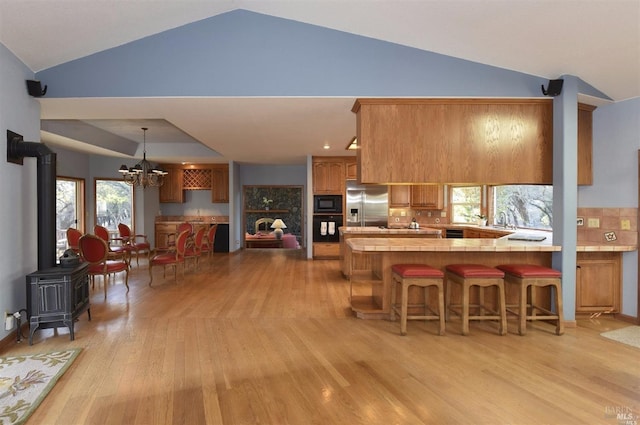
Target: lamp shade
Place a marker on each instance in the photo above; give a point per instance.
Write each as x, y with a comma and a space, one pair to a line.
278, 224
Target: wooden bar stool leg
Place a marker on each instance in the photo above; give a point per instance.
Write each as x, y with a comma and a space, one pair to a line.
502, 305
392, 314
560, 325
465, 309
522, 309
403, 311
441, 308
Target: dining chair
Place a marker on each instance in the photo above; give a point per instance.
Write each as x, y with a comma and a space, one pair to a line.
170, 258
137, 242
95, 251
73, 239
209, 240
120, 251
193, 251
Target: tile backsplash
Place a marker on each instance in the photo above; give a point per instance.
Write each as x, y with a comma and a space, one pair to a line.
616, 226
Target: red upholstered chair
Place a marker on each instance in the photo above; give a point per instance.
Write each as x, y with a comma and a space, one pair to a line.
526, 278
422, 276
170, 258
73, 239
171, 238
209, 240
468, 275
193, 250
138, 243
95, 251
121, 251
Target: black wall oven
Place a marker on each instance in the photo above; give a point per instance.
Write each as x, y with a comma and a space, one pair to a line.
325, 227
327, 204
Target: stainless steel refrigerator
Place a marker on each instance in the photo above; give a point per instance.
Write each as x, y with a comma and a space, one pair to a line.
367, 205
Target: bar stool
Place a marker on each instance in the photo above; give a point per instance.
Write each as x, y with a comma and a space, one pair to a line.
422, 276
468, 275
527, 277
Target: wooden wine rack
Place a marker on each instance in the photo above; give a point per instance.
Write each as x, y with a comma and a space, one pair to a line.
196, 179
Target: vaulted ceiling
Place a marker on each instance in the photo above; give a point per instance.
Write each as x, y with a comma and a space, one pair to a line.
597, 41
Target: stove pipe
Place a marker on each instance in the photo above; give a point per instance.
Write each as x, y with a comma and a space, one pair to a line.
17, 149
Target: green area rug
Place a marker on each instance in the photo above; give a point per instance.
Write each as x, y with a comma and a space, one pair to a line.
26, 380
629, 335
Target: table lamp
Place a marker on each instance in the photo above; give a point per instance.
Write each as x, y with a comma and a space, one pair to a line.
278, 225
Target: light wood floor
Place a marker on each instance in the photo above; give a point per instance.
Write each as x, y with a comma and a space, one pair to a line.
267, 337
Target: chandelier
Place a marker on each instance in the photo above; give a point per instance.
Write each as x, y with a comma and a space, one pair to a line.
143, 173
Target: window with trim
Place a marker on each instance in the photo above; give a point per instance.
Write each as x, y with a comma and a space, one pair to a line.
114, 203
69, 209
526, 206
465, 203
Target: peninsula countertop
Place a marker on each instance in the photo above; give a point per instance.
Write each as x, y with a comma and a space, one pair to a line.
371, 230
448, 245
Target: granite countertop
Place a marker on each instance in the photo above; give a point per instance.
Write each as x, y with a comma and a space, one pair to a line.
389, 231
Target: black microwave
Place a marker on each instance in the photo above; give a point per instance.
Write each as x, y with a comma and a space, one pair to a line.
327, 204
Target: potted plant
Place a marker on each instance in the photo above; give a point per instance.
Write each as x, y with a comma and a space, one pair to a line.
481, 219
266, 202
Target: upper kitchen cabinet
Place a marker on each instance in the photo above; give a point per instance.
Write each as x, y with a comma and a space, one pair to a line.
351, 168
427, 197
455, 140
399, 196
213, 177
220, 183
585, 144
172, 189
328, 175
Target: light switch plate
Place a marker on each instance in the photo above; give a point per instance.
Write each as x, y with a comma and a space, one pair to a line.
593, 222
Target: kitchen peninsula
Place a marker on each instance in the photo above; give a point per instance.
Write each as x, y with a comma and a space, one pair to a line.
371, 284
362, 262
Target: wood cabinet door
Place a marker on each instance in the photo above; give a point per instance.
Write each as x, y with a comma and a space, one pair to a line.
598, 285
351, 169
399, 196
162, 232
328, 177
172, 190
428, 196
585, 144
220, 184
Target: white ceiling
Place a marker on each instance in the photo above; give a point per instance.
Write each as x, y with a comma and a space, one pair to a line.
595, 40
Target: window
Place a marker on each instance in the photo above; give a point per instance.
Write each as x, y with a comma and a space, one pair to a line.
69, 209
114, 204
465, 203
529, 206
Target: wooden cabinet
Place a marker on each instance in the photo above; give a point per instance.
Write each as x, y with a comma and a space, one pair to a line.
323, 250
220, 183
399, 196
427, 196
328, 176
214, 177
598, 278
455, 140
162, 232
585, 144
172, 190
351, 168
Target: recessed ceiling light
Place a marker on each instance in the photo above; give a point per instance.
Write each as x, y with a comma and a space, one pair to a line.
326, 146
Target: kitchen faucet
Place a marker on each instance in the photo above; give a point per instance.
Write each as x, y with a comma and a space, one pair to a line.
502, 218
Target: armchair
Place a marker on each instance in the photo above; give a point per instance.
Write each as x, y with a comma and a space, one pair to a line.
137, 242
120, 251
263, 224
73, 239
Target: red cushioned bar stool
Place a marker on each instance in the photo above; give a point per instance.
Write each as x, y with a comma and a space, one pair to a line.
527, 277
468, 275
423, 276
